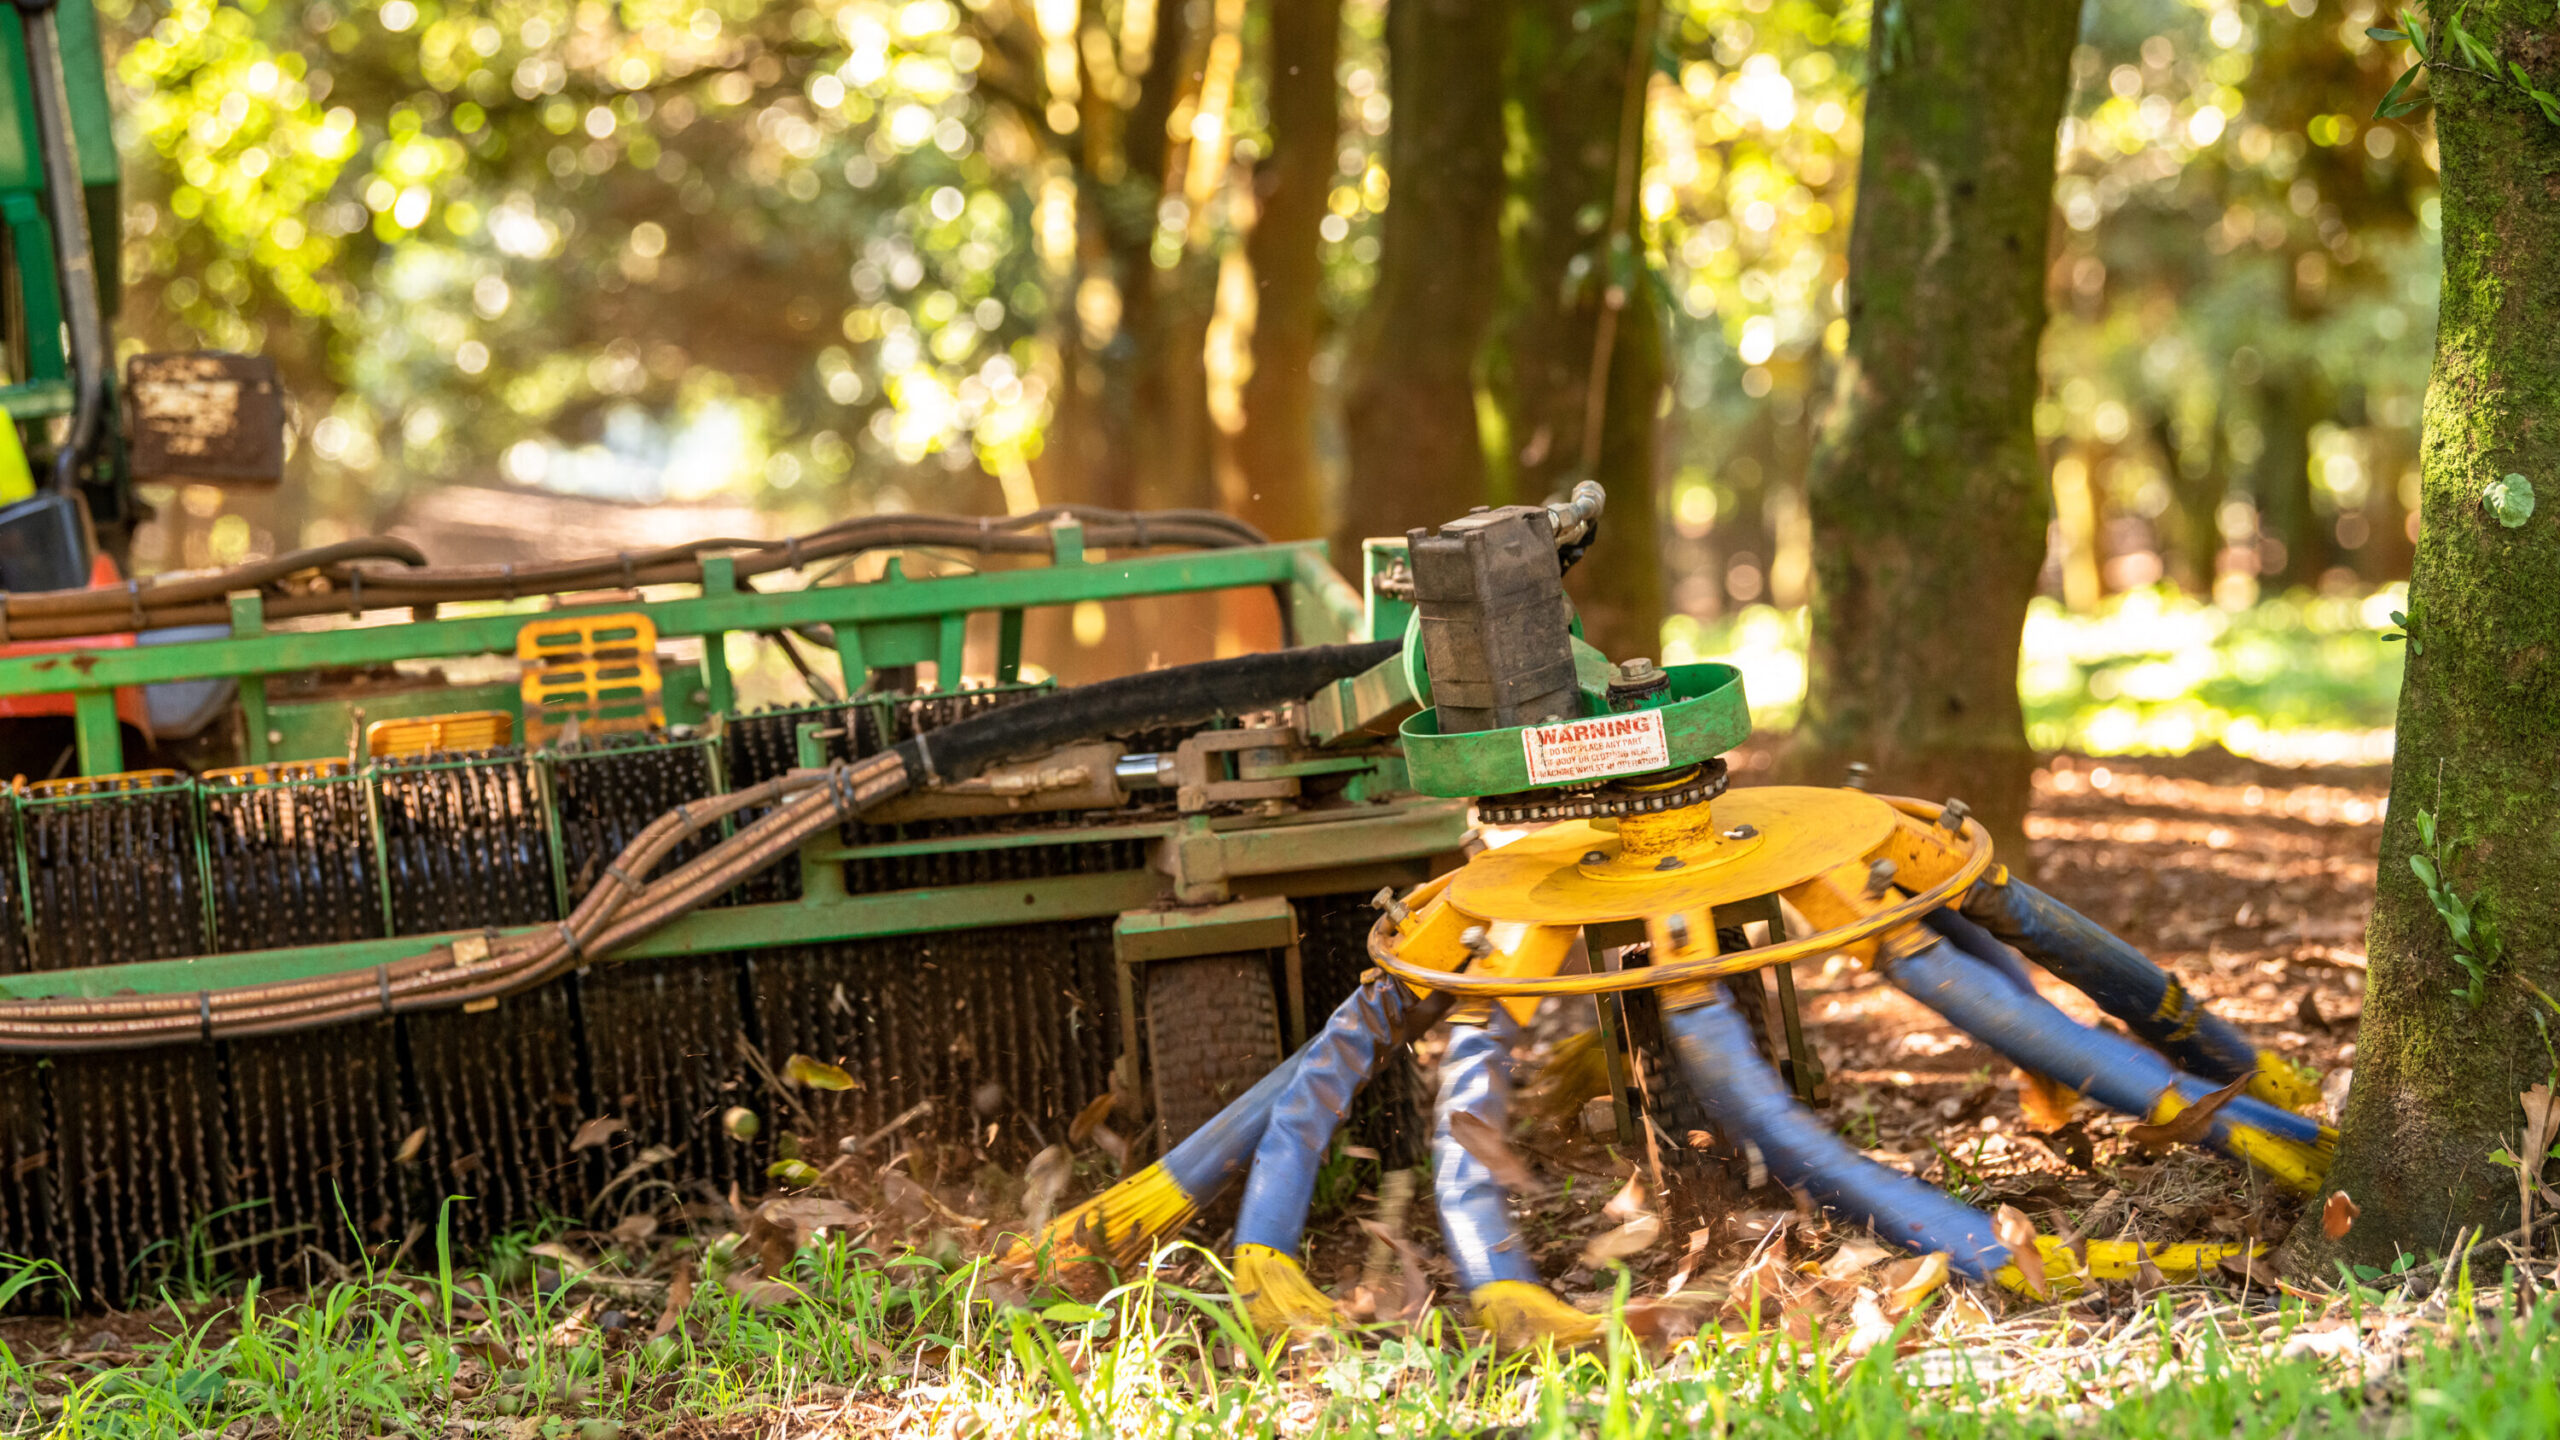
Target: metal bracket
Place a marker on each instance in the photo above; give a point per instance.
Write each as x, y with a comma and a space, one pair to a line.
1203, 781
1270, 922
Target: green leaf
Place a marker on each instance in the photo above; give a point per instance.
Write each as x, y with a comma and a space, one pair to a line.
1070, 1313
2387, 37
2417, 33
2478, 52
2426, 869
2399, 87
2427, 828
2510, 498
2521, 78
2395, 635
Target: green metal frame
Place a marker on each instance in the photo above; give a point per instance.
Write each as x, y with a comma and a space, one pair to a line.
1195, 860
1705, 716
892, 621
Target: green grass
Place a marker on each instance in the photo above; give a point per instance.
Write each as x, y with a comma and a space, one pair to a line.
2294, 679
917, 1346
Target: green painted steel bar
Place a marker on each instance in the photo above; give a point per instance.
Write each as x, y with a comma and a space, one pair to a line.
738, 927
883, 603
1009, 646
720, 692
248, 621
96, 732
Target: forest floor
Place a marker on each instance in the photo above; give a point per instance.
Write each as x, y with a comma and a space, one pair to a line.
1747, 1312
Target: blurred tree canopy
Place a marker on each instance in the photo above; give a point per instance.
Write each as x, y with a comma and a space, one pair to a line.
838, 254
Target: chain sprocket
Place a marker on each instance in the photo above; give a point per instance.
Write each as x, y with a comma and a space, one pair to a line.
1632, 795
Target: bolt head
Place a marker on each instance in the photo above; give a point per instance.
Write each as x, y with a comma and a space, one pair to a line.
1595, 857
1667, 862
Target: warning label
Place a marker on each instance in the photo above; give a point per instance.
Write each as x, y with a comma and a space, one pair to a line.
1591, 749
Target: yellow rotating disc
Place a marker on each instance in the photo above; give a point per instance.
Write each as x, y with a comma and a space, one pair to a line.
1745, 844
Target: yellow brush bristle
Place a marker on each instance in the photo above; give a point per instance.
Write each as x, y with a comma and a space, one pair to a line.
1119, 1226
1276, 1292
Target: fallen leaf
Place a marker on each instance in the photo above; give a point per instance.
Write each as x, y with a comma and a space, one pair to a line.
409, 1148
1868, 1327
799, 1174
2189, 1126
595, 1132
1091, 1116
633, 1231
805, 1215
1361, 1152
817, 1074
762, 1294
1633, 1238
492, 1353
2306, 1013
1852, 1257
1963, 1314
1765, 1281
1043, 1181
2146, 1271
2047, 1104
1413, 1282
2338, 1216
1493, 1152
2250, 1270
1914, 1281
679, 1295
1701, 1140
2019, 1234
741, 1123
1628, 1203
1110, 1143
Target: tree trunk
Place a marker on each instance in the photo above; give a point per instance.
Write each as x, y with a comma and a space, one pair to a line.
1275, 452
1928, 496
1584, 346
2436, 1079
1410, 415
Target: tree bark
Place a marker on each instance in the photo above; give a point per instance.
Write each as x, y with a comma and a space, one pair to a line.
1929, 500
1416, 455
1584, 345
2437, 1080
1275, 452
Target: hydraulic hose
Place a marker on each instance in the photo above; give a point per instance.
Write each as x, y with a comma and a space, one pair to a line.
621, 908
2029, 1031
1364, 1032
1378, 1021
2124, 982
1475, 1217
1745, 1100
327, 580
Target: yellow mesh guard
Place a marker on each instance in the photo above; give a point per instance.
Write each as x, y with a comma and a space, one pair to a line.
598, 670
426, 734
278, 772
1277, 1294
121, 782
1520, 1315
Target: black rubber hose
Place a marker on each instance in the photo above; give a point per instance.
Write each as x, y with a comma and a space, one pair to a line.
1178, 695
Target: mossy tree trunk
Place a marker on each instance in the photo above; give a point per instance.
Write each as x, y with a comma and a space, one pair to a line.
1583, 344
1417, 456
2479, 729
1929, 500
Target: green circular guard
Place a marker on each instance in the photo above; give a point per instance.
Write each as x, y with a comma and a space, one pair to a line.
1705, 717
